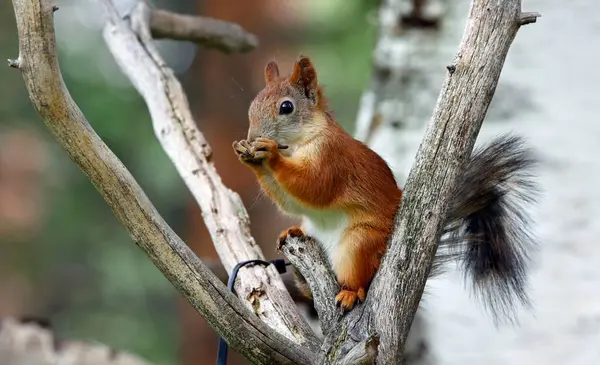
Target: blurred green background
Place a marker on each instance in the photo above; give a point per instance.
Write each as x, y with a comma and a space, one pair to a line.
62, 253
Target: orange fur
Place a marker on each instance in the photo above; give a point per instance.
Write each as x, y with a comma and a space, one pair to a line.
323, 170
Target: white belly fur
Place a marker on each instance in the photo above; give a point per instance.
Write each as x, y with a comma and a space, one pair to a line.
326, 227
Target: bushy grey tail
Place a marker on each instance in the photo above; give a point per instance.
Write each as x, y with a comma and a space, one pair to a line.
487, 228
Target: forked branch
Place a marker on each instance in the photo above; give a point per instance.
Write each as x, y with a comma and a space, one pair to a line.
260, 288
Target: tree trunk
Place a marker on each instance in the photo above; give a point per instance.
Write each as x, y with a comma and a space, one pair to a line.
416, 41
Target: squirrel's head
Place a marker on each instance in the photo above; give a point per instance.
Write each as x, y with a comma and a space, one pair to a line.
289, 110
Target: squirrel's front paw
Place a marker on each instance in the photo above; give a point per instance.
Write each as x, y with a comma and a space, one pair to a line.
264, 148
294, 231
256, 151
243, 150
348, 298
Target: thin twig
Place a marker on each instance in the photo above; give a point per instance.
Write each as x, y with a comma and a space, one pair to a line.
14, 63
528, 18
210, 33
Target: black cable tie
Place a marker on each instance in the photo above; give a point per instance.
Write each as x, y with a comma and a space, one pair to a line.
279, 264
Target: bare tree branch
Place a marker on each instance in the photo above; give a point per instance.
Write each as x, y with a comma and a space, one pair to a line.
448, 143
27, 343
51, 99
260, 288
528, 18
210, 33
14, 63
288, 280
308, 257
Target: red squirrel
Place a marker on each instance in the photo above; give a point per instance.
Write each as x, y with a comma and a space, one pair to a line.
347, 196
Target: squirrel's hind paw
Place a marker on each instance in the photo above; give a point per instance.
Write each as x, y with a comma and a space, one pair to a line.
348, 298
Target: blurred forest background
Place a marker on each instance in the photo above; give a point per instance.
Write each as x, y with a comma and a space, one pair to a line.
64, 256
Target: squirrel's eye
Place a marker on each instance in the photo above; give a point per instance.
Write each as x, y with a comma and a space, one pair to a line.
286, 107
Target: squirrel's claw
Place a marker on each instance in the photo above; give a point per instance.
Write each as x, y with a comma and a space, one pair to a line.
348, 298
241, 148
265, 145
248, 152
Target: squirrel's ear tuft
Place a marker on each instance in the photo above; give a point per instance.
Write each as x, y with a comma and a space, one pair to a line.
304, 76
271, 72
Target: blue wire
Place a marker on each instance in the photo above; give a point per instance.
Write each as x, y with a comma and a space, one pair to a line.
280, 265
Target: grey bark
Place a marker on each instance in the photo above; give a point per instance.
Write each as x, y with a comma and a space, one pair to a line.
306, 255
